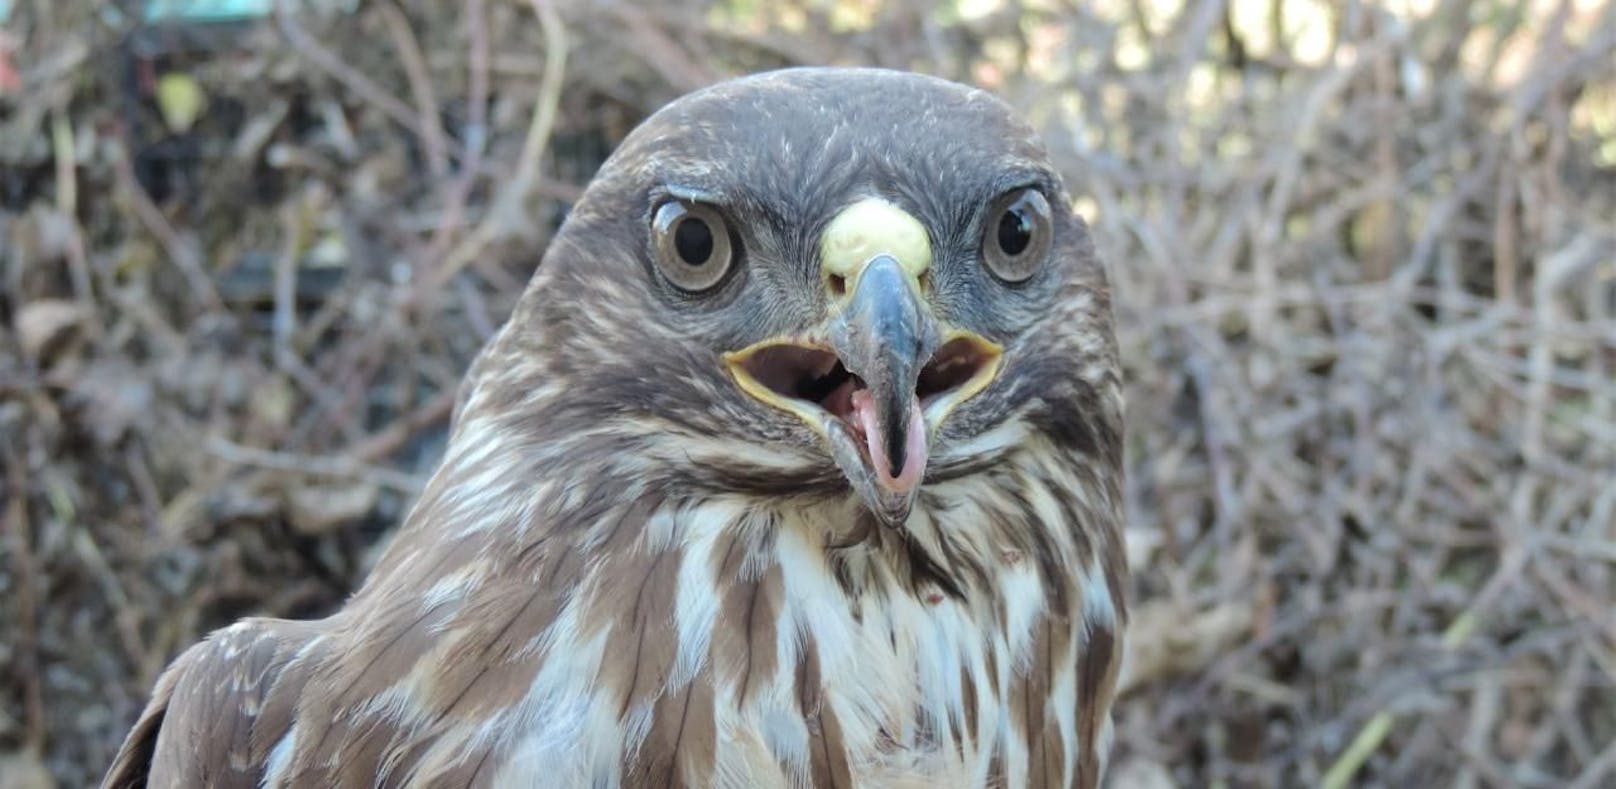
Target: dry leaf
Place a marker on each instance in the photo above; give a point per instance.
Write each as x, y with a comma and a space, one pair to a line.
1165, 640
181, 101
323, 508
41, 325
1137, 773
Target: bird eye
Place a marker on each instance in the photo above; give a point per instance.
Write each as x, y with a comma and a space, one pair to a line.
692, 245
1017, 235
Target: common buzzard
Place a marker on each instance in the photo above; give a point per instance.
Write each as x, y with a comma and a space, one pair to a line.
797, 465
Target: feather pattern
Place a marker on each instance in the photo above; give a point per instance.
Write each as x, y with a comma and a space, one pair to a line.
607, 584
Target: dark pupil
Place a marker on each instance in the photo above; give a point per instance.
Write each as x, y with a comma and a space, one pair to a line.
1015, 232
693, 240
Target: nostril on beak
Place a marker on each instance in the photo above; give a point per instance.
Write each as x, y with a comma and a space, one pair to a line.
837, 285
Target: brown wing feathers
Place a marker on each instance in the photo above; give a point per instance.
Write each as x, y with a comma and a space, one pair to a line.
213, 720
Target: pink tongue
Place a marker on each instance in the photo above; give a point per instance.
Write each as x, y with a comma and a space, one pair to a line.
914, 465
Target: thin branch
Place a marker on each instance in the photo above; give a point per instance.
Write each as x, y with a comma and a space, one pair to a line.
426, 101
508, 209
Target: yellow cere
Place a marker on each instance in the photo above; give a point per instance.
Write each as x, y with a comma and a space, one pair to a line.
871, 227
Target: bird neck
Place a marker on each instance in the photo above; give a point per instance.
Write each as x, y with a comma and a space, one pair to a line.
988, 615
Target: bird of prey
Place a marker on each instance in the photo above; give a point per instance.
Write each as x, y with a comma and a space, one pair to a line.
798, 464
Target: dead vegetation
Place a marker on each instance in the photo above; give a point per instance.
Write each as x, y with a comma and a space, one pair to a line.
1364, 260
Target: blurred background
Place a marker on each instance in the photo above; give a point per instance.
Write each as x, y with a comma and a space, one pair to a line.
1364, 260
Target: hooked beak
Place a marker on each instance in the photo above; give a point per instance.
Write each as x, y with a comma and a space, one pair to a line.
884, 338
878, 378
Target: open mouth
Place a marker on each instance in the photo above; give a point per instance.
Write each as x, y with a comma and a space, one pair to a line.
803, 378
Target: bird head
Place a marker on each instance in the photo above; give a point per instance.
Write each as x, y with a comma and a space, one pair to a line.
820, 282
